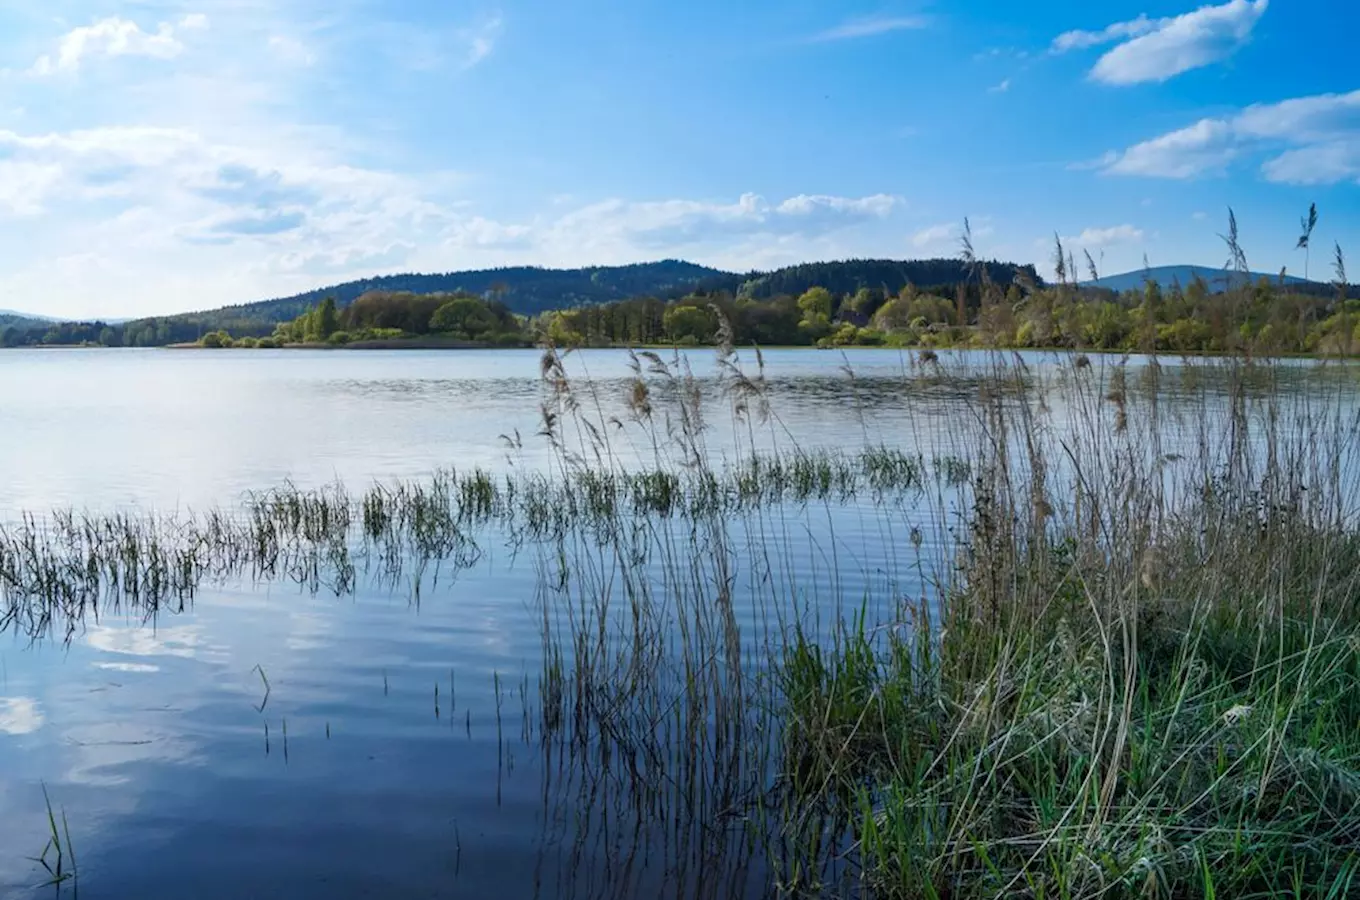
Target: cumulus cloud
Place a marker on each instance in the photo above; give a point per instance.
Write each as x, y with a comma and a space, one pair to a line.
871, 26
116, 36
1152, 50
1309, 140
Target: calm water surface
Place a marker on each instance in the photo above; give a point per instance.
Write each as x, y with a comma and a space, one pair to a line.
373, 764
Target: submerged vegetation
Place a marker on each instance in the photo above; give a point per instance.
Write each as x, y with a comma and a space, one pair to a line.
1108, 652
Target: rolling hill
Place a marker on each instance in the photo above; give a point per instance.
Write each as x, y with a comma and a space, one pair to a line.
527, 290
1218, 280
532, 290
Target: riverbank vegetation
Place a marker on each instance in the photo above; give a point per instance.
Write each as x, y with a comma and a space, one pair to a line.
1110, 653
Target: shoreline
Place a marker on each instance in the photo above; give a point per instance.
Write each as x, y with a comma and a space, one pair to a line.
428, 343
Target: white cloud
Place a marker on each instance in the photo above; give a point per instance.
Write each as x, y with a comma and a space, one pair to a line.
115, 36
871, 27
1105, 237
1315, 140
1205, 147
269, 221
1001, 87
169, 201
1326, 163
1160, 49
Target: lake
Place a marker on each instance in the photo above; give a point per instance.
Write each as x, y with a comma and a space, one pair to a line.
277, 737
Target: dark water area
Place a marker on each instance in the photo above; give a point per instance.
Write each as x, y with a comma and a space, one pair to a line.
274, 738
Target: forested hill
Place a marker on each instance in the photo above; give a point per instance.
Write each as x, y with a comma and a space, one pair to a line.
527, 290
887, 275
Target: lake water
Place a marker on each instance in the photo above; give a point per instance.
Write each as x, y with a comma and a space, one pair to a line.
269, 740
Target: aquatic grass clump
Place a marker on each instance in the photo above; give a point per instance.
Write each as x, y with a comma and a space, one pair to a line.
56, 570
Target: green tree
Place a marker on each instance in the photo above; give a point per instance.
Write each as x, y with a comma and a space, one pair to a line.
816, 302
689, 324
326, 320
816, 305
464, 316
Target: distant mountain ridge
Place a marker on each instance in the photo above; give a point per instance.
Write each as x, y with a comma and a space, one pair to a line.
1218, 280
18, 319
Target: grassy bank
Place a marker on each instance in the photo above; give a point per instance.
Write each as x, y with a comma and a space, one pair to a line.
1141, 681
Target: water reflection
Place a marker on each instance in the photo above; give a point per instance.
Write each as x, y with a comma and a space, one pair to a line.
20, 715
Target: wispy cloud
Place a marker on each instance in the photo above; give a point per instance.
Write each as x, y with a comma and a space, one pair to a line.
481, 41
115, 36
1081, 40
291, 50
1001, 87
1105, 237
934, 235
946, 235
871, 26
1153, 50
1321, 134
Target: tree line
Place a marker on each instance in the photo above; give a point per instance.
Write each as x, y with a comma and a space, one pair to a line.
387, 316
1264, 316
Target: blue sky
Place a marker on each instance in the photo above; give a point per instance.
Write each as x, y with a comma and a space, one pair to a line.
158, 156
